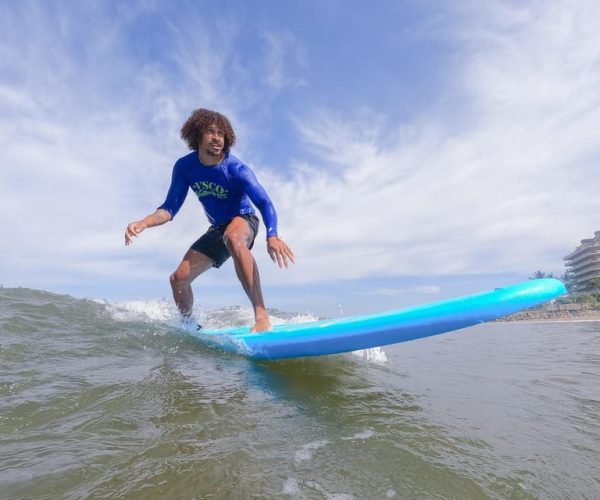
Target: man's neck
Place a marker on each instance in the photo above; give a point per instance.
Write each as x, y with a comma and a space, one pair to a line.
209, 160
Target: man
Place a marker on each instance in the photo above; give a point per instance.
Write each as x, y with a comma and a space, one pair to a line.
225, 186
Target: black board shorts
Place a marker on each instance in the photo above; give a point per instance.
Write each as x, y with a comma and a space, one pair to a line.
212, 245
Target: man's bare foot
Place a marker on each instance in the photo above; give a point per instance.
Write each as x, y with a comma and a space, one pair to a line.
186, 317
263, 325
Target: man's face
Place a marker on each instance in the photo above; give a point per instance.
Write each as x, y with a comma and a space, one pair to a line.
212, 141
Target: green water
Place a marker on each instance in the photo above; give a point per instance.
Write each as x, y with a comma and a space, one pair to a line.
101, 402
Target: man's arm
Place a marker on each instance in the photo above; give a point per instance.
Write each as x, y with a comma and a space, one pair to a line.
278, 249
156, 219
260, 198
175, 198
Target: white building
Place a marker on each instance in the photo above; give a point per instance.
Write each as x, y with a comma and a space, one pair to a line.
583, 264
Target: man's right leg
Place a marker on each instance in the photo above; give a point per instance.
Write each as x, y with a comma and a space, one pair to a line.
193, 265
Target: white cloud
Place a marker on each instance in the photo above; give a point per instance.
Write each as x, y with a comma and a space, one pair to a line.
285, 58
76, 159
89, 130
507, 188
499, 175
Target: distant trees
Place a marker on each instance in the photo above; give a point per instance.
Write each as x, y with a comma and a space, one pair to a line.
589, 295
538, 275
566, 278
594, 285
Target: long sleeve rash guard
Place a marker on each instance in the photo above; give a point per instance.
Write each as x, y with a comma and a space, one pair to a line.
225, 190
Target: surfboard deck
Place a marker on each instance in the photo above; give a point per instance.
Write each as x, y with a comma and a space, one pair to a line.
332, 336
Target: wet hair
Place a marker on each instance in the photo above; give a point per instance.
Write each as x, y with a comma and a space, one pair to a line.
199, 121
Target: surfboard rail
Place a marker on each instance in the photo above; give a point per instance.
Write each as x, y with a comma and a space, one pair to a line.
332, 336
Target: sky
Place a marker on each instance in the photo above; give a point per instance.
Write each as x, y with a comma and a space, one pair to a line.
414, 150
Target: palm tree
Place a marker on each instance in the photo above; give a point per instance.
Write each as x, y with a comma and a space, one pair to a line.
567, 279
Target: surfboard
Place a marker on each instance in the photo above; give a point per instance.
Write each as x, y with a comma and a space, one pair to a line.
332, 336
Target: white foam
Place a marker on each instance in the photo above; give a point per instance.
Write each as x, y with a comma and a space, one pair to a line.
143, 310
164, 310
373, 355
291, 487
366, 434
233, 317
306, 452
330, 496
299, 318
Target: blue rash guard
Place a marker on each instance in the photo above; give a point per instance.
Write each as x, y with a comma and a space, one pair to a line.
225, 190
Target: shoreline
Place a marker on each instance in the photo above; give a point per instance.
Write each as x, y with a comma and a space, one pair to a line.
510, 319
552, 313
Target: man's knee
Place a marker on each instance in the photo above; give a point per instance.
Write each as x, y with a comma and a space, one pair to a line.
179, 278
235, 241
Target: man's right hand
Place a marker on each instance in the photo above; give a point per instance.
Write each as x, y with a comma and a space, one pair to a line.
156, 219
133, 230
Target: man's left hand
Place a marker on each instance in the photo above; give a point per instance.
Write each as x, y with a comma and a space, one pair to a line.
279, 251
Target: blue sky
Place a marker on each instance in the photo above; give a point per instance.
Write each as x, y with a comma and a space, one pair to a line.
415, 150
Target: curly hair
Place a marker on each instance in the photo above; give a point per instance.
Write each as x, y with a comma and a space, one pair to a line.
199, 121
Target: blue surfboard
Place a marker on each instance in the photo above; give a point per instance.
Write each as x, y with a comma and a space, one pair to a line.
339, 335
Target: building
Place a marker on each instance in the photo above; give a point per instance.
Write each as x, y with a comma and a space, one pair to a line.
583, 264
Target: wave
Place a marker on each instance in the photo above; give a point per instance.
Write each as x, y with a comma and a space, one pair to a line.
28, 306
61, 324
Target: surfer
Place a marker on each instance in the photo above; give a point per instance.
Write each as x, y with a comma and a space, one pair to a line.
225, 186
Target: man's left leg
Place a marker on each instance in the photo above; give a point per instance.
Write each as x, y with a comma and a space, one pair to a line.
238, 238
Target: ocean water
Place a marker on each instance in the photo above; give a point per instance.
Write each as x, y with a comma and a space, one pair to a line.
103, 400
